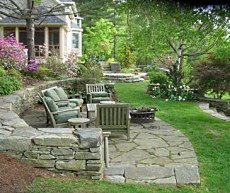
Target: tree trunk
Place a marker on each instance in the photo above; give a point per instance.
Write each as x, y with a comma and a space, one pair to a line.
176, 70
30, 39
30, 31
180, 74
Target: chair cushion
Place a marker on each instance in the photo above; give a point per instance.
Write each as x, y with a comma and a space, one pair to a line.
63, 104
51, 104
64, 108
64, 116
61, 93
72, 105
52, 94
99, 94
99, 99
78, 102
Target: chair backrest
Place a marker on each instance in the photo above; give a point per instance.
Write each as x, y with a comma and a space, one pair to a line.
95, 88
49, 114
44, 90
114, 118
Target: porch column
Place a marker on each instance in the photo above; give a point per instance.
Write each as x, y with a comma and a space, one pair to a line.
17, 33
1, 32
61, 42
46, 41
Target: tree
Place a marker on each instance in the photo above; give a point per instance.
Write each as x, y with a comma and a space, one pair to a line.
30, 11
213, 74
172, 32
93, 10
98, 40
110, 11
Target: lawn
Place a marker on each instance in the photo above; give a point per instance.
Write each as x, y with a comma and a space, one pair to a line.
209, 136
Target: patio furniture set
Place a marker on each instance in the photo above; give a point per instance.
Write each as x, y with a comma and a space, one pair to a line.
61, 111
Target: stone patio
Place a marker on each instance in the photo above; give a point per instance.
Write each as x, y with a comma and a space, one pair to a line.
156, 153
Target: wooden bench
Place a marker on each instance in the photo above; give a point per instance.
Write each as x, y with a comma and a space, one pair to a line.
95, 88
97, 93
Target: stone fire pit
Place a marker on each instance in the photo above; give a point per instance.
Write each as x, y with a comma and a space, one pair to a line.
143, 115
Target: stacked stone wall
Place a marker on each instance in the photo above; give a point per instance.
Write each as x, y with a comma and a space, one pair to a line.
57, 149
219, 104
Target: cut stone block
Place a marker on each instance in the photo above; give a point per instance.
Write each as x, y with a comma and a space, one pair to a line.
187, 175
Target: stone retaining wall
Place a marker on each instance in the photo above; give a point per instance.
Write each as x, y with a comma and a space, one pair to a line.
219, 104
56, 149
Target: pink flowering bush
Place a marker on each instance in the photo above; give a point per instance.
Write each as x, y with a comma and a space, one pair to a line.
12, 55
71, 65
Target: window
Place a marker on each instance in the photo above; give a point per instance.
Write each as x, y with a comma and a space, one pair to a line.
39, 40
75, 40
23, 35
39, 37
53, 36
78, 22
54, 40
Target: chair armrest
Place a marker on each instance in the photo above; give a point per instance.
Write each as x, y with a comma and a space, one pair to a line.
67, 110
89, 98
62, 102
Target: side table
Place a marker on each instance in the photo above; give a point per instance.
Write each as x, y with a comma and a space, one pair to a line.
78, 122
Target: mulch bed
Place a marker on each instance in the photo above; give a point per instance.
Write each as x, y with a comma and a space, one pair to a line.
15, 175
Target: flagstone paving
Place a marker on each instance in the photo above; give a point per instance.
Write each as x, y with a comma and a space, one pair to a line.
157, 153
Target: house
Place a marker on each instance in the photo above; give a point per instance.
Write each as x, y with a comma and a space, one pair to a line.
59, 32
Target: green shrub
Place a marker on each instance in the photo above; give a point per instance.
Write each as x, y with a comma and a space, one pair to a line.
43, 72
9, 84
54, 64
181, 93
90, 69
15, 73
158, 77
2, 71
127, 57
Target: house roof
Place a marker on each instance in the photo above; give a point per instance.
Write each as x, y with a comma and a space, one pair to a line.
51, 20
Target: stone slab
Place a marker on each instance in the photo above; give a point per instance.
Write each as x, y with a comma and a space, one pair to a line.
89, 137
56, 140
187, 175
15, 143
57, 130
148, 173
114, 171
115, 179
132, 156
73, 165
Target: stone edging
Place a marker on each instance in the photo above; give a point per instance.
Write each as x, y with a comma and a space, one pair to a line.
56, 149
